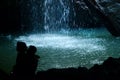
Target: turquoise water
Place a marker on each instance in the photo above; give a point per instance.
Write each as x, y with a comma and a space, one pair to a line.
63, 49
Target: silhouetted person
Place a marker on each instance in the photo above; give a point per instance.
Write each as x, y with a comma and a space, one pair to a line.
21, 49
31, 62
26, 62
19, 68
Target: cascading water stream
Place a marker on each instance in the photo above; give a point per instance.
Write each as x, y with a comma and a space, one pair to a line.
56, 15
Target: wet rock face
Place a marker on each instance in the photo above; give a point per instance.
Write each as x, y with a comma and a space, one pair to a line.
82, 17
111, 8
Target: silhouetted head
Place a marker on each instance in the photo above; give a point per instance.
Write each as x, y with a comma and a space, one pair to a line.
32, 50
21, 47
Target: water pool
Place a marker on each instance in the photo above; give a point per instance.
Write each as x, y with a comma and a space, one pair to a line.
64, 49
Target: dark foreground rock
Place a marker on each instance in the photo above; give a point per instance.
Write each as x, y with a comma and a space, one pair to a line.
109, 70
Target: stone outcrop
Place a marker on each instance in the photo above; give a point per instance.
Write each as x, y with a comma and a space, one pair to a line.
108, 11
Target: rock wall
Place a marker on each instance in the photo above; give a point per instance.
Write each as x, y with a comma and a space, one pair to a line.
109, 12
111, 8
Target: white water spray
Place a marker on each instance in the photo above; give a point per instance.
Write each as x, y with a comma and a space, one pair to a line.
56, 15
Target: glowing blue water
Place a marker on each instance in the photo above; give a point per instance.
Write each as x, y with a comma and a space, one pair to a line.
73, 48
63, 49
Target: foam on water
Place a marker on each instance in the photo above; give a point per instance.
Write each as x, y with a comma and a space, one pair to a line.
62, 41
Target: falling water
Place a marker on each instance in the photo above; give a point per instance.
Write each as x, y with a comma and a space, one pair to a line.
56, 15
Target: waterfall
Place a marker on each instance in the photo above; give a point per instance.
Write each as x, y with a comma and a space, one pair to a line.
39, 16
56, 15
